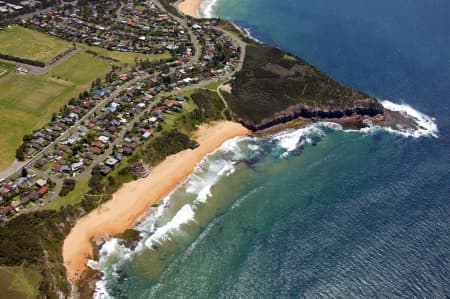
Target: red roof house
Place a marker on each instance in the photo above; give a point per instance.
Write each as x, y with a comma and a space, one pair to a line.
43, 190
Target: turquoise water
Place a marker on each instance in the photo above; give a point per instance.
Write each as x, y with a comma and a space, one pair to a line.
315, 212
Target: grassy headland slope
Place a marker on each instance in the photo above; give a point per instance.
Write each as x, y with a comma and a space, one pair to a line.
274, 86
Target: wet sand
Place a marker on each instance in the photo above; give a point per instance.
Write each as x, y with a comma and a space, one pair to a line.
133, 199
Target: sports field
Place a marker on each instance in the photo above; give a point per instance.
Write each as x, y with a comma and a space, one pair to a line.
30, 44
27, 102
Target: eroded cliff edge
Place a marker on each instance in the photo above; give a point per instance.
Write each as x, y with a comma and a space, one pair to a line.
274, 87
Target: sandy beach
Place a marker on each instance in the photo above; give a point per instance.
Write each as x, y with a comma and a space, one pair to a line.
190, 7
134, 198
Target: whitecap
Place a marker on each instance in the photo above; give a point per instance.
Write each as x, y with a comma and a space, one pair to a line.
207, 8
184, 215
426, 125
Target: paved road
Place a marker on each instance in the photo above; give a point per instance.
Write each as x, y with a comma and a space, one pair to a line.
37, 70
110, 98
75, 127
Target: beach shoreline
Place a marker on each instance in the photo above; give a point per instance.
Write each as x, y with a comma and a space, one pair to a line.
189, 7
133, 199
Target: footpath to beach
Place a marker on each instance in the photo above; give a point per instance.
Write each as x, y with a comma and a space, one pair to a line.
133, 199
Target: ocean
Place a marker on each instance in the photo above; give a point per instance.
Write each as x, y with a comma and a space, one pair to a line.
316, 212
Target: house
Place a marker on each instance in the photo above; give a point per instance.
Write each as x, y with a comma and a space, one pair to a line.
35, 145
43, 190
89, 156
103, 139
73, 116
41, 162
10, 187
56, 167
65, 169
9, 210
70, 141
112, 129
118, 156
41, 183
76, 166
27, 198
105, 170
127, 151
20, 181
146, 135
4, 190
113, 107
95, 150
99, 144
99, 92
111, 162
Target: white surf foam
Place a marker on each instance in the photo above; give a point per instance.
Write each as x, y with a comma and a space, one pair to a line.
291, 140
209, 171
207, 9
426, 125
184, 215
112, 255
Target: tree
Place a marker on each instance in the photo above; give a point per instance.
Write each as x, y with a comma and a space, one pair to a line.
27, 138
24, 172
20, 154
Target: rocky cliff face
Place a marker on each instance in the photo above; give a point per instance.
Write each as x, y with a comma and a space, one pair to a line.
367, 107
274, 87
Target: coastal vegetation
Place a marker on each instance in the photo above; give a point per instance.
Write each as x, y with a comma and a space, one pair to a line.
19, 282
35, 239
273, 81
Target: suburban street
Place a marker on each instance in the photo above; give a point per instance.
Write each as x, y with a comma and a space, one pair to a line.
16, 167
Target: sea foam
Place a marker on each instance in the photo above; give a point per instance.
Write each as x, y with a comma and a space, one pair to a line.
207, 9
163, 222
184, 215
426, 125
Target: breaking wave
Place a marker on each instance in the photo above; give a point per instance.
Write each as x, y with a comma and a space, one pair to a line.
207, 8
426, 125
167, 221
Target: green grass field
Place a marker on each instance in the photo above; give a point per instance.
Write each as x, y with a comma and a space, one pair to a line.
74, 197
27, 102
125, 57
5, 68
19, 283
25, 43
